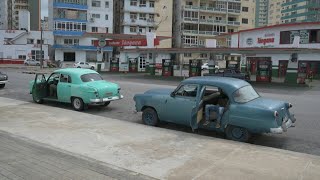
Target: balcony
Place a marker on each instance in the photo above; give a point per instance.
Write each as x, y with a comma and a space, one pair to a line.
68, 33
138, 22
69, 6
212, 9
191, 20
234, 23
212, 21
207, 33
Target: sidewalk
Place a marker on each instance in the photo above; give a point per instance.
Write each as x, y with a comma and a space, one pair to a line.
154, 152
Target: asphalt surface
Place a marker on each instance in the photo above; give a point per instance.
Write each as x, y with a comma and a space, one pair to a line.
305, 137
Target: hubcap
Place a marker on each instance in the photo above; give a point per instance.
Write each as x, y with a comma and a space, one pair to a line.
237, 133
77, 103
149, 118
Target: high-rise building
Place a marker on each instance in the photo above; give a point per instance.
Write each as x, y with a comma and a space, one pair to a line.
71, 20
138, 17
195, 20
274, 12
262, 7
300, 11
9, 18
45, 23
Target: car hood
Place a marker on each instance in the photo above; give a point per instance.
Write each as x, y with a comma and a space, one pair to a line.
265, 103
160, 91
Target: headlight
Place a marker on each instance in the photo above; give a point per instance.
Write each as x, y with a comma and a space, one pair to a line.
275, 114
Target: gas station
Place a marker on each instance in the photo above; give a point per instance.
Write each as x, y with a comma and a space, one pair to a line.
254, 60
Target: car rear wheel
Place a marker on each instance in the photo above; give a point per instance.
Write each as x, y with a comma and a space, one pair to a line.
78, 67
2, 86
38, 64
26, 64
92, 68
106, 103
36, 99
236, 133
150, 117
77, 104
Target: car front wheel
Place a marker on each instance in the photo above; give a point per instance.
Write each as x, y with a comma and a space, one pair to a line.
106, 103
77, 104
150, 117
2, 86
36, 99
78, 67
236, 133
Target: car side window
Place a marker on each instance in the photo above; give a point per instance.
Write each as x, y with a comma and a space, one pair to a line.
81, 63
187, 90
87, 63
65, 78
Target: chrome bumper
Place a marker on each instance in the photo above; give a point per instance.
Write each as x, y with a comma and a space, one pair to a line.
3, 82
284, 126
102, 100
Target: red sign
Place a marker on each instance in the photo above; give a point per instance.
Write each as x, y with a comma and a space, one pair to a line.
127, 42
265, 40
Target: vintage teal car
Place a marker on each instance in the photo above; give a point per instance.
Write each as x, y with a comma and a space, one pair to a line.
80, 87
245, 111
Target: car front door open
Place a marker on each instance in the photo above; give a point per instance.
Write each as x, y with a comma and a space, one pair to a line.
198, 109
39, 89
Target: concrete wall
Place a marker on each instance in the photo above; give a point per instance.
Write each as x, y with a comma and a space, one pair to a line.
24, 20
100, 22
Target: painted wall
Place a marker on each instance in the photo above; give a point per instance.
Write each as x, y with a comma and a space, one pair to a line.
103, 11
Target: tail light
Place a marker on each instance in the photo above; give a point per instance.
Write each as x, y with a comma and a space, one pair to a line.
275, 114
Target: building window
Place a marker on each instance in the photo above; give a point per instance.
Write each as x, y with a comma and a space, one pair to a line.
35, 54
142, 30
107, 4
133, 29
107, 17
314, 36
39, 41
22, 57
133, 16
68, 41
133, 2
143, 3
143, 16
107, 30
151, 4
94, 29
245, 9
187, 54
96, 16
151, 29
285, 37
244, 21
203, 55
151, 17
30, 41
96, 4
76, 41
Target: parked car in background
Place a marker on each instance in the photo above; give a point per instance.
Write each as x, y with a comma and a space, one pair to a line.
244, 113
205, 66
84, 65
80, 87
3, 79
230, 73
31, 62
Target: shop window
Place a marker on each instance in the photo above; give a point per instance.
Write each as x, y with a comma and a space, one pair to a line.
22, 57
314, 36
285, 37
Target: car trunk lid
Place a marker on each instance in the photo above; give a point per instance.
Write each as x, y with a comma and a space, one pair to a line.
104, 88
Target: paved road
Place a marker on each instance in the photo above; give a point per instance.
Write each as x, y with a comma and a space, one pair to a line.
24, 159
305, 137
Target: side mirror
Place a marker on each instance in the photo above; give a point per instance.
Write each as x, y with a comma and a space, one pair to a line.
172, 94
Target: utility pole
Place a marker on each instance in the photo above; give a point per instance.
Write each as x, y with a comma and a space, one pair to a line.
41, 58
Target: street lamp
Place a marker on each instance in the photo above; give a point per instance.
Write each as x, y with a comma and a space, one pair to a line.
41, 54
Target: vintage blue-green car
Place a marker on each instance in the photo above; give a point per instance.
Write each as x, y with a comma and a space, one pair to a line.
244, 113
80, 87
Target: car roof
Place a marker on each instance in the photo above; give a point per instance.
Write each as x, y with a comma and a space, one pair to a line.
229, 85
75, 71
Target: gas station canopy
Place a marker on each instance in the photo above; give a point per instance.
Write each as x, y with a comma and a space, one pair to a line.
247, 51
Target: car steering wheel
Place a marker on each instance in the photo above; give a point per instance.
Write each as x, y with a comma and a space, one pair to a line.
184, 93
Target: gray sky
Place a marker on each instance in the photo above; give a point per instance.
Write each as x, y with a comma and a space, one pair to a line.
44, 8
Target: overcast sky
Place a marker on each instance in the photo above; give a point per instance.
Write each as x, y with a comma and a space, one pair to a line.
44, 8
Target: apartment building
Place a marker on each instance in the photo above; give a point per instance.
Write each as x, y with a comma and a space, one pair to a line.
71, 20
196, 21
262, 7
300, 11
139, 17
9, 13
274, 12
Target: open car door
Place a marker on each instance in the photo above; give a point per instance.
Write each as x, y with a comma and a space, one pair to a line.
39, 89
197, 111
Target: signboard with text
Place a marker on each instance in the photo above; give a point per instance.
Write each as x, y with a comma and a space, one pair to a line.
127, 42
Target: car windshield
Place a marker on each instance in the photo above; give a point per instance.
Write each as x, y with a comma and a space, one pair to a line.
91, 77
245, 94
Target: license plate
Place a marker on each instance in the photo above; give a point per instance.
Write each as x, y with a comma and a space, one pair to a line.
108, 93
